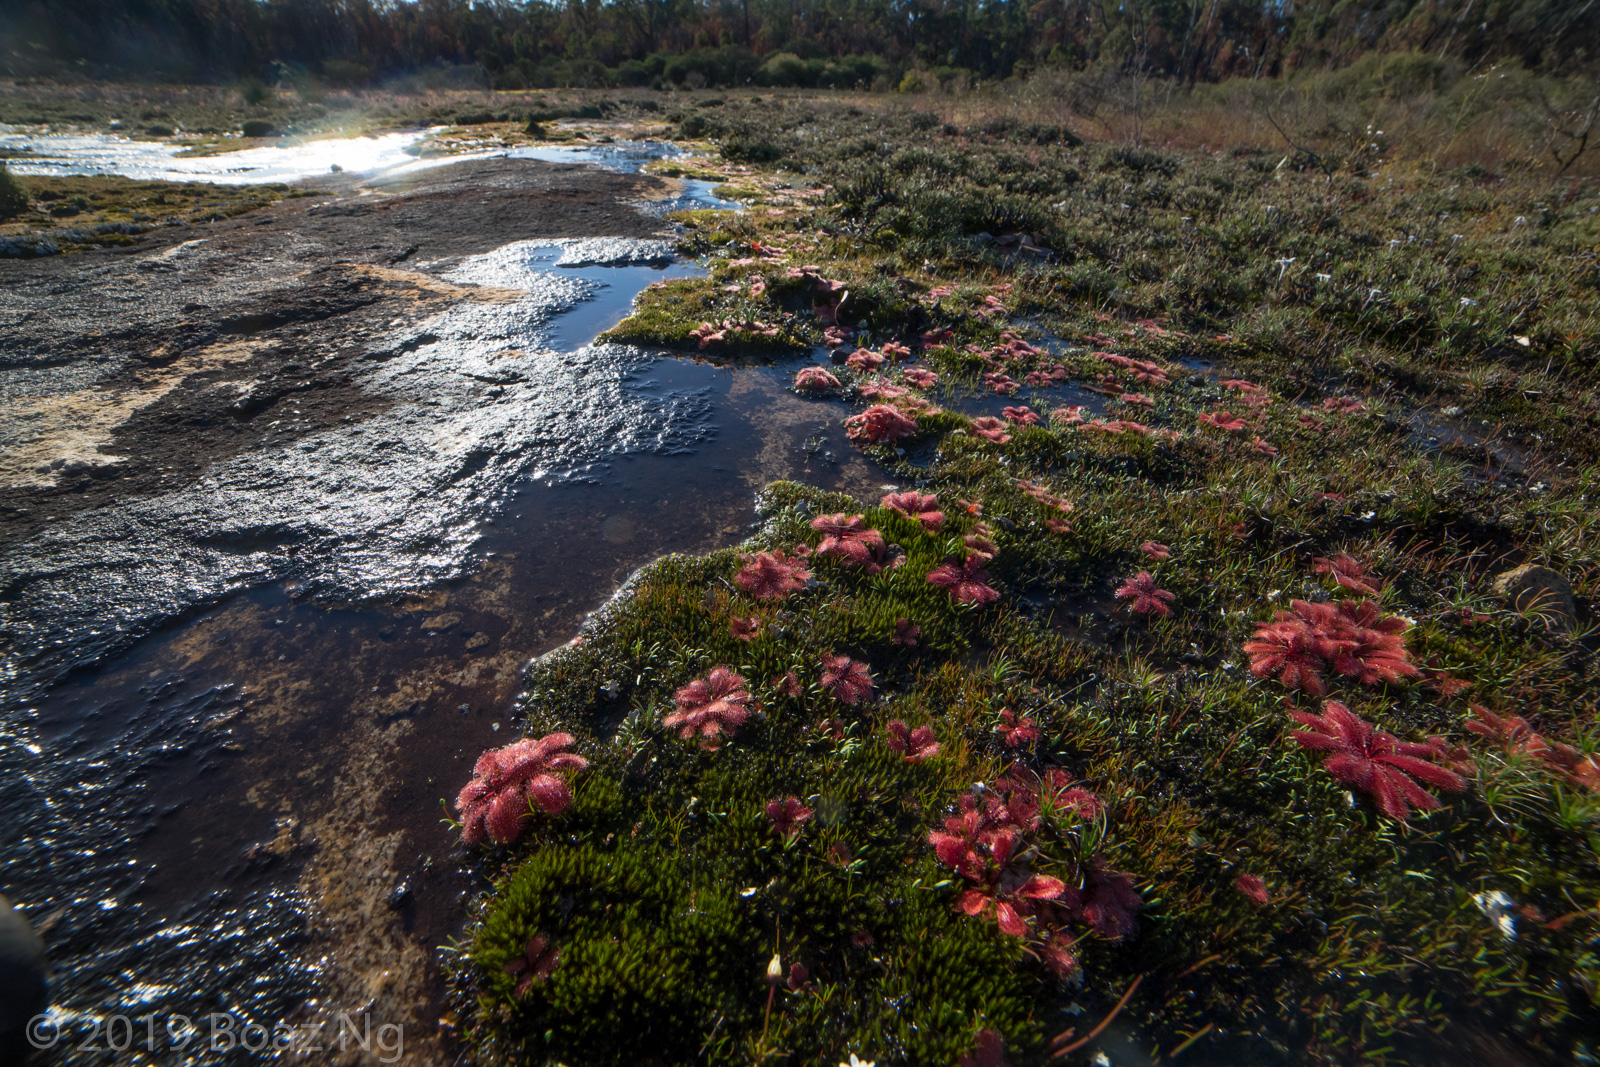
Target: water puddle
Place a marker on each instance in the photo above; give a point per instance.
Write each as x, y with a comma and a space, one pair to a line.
1485, 453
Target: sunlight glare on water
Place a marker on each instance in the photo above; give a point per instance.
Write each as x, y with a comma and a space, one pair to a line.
43, 154
99, 153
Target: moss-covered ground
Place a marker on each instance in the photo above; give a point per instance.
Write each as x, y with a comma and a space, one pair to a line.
75, 213
1252, 378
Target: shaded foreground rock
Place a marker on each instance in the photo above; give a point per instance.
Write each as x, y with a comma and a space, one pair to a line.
23, 985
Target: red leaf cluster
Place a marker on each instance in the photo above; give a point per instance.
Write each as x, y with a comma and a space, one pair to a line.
1520, 738
967, 582
914, 505
879, 423
906, 633
879, 389
849, 680
787, 813
988, 856
1022, 416
710, 707
985, 843
915, 745
1117, 426
1253, 889
1350, 573
771, 575
847, 537
814, 378
1149, 373
991, 428
708, 333
1376, 762
1224, 420
1015, 730
1350, 637
1000, 384
506, 781
989, 1051
1148, 598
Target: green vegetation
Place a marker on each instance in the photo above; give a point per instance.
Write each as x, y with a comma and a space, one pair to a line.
1259, 382
13, 197
74, 213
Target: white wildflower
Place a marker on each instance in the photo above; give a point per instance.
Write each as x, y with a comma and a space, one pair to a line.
1497, 907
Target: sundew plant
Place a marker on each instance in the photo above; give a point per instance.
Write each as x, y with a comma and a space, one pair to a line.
1165, 709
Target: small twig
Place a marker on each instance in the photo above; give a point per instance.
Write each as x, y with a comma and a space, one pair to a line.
1092, 1034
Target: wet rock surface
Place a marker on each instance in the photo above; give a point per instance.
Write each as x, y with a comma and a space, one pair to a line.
194, 418
290, 500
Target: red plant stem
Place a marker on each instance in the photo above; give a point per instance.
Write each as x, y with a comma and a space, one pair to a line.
1092, 1034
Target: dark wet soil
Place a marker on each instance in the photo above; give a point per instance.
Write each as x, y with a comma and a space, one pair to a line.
320, 498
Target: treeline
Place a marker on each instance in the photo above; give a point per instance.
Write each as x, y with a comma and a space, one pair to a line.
868, 43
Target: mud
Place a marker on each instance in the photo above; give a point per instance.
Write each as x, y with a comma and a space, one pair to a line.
289, 501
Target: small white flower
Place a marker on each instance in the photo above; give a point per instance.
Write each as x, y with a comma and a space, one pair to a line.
1324, 277
856, 1061
1496, 906
1468, 303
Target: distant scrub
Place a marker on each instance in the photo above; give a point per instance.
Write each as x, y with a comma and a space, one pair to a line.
767, 42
